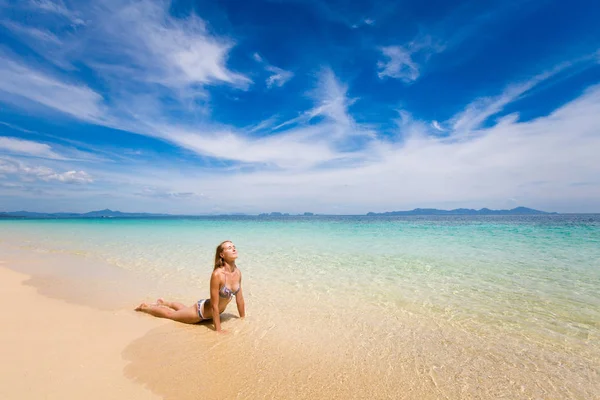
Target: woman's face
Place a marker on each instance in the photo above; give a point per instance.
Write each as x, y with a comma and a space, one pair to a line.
229, 252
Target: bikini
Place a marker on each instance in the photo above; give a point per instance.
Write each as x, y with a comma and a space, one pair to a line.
224, 293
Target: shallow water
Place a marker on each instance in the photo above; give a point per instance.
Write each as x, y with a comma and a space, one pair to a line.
458, 307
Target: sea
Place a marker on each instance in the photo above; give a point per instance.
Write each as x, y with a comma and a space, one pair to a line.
365, 306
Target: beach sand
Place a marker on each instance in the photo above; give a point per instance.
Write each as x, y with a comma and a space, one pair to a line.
71, 335
69, 332
52, 349
56, 349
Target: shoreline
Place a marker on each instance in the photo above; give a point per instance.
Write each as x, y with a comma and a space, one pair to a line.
65, 342
284, 349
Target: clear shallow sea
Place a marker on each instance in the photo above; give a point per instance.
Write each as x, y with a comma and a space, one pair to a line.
457, 307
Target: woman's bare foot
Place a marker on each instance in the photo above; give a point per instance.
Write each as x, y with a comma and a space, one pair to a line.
141, 307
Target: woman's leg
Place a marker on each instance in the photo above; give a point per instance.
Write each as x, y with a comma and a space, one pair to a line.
187, 315
171, 304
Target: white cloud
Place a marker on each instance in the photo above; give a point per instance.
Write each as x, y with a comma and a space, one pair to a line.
162, 49
366, 21
78, 177
437, 126
279, 77
480, 110
399, 64
538, 162
503, 162
332, 99
159, 193
75, 151
302, 146
136, 46
543, 163
57, 7
295, 149
16, 128
257, 57
27, 147
34, 33
77, 100
306, 160
27, 172
337, 128
400, 61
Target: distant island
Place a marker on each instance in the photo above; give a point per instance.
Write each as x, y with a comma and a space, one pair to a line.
92, 214
417, 211
463, 211
118, 214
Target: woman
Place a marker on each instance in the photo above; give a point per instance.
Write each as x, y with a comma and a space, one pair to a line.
225, 283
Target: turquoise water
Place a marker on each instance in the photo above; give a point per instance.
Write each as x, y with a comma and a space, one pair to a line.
497, 284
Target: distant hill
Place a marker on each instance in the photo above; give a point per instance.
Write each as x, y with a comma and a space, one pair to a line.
417, 211
92, 214
464, 211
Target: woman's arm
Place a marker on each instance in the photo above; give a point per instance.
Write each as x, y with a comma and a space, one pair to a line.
215, 283
239, 300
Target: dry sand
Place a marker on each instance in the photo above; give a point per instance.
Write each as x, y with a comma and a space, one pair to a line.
51, 349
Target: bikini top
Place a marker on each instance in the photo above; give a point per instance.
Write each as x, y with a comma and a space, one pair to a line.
225, 292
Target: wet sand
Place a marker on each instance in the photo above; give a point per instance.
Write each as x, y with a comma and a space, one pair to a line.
65, 334
70, 332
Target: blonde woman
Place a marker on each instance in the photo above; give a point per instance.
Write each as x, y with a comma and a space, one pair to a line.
225, 283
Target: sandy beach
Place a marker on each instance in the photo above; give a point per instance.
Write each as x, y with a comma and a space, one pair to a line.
314, 329
52, 349
67, 336
63, 348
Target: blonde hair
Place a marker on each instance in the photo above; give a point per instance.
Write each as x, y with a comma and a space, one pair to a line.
219, 262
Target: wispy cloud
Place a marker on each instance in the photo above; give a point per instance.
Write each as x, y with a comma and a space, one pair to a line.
503, 161
154, 192
399, 64
332, 100
21, 81
143, 54
278, 77
77, 177
137, 47
16, 128
295, 149
480, 110
154, 72
303, 144
365, 21
496, 166
56, 7
159, 48
27, 147
437, 126
404, 62
33, 33
26, 172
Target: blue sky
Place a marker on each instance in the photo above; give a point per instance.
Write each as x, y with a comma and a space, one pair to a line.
338, 107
